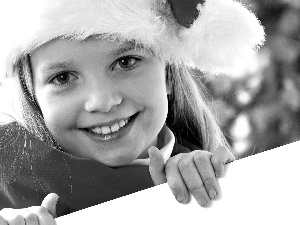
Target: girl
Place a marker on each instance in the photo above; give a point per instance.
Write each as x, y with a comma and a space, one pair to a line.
95, 78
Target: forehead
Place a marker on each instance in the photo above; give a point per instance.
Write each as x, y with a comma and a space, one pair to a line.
61, 54
108, 48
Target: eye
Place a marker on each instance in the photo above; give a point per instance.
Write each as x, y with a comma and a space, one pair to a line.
63, 79
126, 63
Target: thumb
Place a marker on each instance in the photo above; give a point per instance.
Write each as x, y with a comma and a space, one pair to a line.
157, 166
50, 202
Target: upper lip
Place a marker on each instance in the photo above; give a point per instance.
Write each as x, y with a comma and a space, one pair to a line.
109, 123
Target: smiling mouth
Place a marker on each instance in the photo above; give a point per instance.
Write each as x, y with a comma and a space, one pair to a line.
112, 132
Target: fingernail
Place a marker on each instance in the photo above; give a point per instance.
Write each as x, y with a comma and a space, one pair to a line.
212, 193
202, 202
180, 198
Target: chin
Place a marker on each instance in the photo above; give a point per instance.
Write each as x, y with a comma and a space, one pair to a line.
118, 163
120, 160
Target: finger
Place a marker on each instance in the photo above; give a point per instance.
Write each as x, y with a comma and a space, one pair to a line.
221, 156
44, 216
207, 173
16, 220
157, 166
193, 180
175, 180
12, 216
29, 217
50, 202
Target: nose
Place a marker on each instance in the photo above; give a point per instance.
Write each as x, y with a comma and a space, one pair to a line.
102, 97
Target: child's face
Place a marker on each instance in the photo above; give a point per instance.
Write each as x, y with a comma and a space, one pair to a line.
86, 90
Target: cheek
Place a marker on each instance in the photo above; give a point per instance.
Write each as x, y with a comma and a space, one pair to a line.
151, 92
58, 113
149, 85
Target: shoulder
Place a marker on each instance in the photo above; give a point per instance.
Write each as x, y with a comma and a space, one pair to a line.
10, 128
12, 140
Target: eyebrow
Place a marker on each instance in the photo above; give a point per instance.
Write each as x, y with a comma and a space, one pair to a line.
64, 65
56, 66
131, 47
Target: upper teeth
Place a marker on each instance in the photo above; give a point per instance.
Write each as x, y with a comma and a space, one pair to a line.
109, 129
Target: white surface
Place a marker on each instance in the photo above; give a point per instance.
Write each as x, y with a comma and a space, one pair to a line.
261, 189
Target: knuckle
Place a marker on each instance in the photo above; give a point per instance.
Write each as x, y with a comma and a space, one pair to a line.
211, 184
170, 166
16, 219
42, 210
31, 218
184, 162
171, 172
169, 163
198, 189
176, 157
202, 157
199, 157
11, 216
173, 160
209, 181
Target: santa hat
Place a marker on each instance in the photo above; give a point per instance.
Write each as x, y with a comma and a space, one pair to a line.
211, 35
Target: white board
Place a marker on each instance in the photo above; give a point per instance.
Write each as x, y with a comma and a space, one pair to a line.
260, 189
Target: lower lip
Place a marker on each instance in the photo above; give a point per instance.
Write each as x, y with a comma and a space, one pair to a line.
105, 138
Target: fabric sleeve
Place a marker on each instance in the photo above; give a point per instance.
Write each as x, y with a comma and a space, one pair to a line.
30, 170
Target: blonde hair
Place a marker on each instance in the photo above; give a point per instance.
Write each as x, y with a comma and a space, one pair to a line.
25, 106
188, 103
192, 108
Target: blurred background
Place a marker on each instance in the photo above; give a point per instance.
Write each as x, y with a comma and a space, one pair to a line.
258, 105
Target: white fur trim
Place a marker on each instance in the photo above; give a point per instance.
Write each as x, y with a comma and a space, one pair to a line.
44, 20
224, 32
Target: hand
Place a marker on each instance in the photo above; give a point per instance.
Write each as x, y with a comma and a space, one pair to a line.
42, 215
193, 172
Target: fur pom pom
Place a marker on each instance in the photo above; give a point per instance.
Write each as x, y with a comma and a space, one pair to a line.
224, 34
